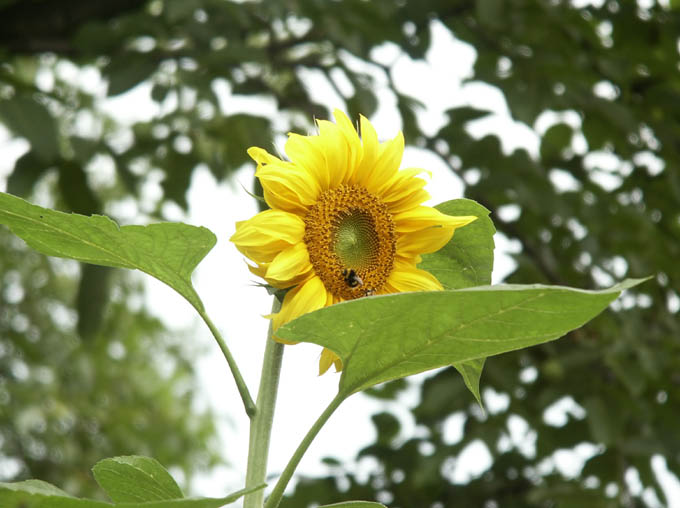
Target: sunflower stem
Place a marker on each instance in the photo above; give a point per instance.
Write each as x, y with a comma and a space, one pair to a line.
248, 403
276, 495
261, 423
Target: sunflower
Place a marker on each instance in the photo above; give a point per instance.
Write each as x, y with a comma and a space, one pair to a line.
344, 222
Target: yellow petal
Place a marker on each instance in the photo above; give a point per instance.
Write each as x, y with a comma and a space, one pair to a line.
386, 165
288, 187
423, 217
327, 359
334, 146
266, 234
424, 241
370, 149
407, 201
304, 151
405, 277
281, 225
405, 191
353, 143
260, 269
261, 156
289, 264
308, 296
407, 178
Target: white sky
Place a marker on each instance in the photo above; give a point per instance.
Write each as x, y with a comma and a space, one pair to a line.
236, 305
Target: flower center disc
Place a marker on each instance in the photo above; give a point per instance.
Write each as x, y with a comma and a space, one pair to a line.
351, 241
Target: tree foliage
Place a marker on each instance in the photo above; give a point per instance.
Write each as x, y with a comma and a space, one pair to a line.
67, 400
597, 203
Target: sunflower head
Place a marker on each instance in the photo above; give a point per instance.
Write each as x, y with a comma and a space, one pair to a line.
344, 222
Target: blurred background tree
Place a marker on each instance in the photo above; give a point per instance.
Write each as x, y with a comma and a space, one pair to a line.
598, 82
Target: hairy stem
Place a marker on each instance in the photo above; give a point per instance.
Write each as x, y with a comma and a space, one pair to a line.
240, 383
261, 424
276, 495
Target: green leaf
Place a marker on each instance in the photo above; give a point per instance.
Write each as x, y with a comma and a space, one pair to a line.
31, 120
490, 12
472, 372
92, 299
33, 487
39, 494
363, 101
392, 336
84, 148
556, 138
604, 423
127, 71
135, 478
159, 92
354, 504
75, 190
198, 502
464, 114
28, 169
467, 260
166, 251
387, 427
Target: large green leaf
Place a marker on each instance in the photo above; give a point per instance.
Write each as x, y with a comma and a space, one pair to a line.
467, 260
135, 478
167, 251
392, 336
39, 494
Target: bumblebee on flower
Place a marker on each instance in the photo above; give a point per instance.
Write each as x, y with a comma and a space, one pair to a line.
344, 222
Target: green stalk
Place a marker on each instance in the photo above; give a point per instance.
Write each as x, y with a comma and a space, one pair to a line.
261, 423
276, 495
240, 383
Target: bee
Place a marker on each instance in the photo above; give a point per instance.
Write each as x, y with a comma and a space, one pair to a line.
351, 278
